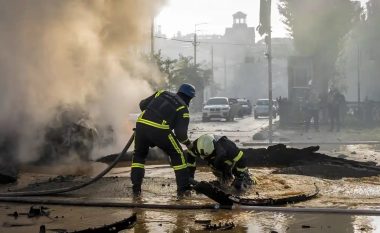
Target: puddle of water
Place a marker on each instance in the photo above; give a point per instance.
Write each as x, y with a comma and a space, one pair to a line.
153, 221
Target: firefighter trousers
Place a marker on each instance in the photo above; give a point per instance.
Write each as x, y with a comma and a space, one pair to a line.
148, 136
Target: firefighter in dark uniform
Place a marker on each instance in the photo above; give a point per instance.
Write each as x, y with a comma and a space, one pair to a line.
161, 113
224, 157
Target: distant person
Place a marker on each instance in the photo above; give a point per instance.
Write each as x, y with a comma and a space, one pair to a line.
368, 111
312, 107
324, 113
335, 104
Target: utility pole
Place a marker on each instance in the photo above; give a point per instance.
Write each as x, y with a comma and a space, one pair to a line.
358, 64
195, 46
269, 54
152, 38
212, 63
195, 43
225, 74
266, 28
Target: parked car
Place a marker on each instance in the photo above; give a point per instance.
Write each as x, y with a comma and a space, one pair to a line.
246, 106
220, 107
262, 108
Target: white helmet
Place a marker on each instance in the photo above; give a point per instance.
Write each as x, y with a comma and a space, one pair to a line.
205, 144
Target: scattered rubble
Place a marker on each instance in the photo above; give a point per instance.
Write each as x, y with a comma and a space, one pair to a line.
259, 136
42, 229
9, 224
34, 211
290, 160
61, 178
203, 221
38, 211
114, 227
219, 227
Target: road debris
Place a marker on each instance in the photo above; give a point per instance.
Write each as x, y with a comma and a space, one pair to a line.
219, 227
226, 199
203, 221
34, 211
112, 228
38, 211
42, 229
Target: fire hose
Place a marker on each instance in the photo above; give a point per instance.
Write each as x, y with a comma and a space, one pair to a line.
26, 197
122, 204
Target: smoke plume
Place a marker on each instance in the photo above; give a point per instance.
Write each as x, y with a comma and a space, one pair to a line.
84, 52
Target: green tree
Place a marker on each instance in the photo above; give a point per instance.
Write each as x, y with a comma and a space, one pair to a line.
166, 67
186, 72
183, 70
318, 28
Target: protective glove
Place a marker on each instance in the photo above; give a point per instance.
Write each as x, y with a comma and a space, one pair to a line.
189, 145
244, 181
223, 177
255, 181
190, 152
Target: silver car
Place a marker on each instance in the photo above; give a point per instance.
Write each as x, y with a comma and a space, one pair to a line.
262, 108
218, 107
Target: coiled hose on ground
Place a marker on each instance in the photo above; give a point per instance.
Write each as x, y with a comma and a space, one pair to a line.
76, 187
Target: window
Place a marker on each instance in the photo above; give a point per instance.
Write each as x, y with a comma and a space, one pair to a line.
217, 101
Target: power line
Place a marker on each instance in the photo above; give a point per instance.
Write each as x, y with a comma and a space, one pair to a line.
203, 42
165, 38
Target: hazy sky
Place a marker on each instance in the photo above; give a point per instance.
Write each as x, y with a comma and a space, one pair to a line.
182, 15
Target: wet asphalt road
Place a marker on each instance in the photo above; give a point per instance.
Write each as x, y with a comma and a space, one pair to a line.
355, 193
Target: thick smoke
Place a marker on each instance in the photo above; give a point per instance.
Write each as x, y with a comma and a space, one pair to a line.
72, 52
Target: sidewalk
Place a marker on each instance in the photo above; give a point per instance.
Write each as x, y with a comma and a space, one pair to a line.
368, 152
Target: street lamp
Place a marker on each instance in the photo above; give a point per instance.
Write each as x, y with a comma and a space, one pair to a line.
358, 78
195, 42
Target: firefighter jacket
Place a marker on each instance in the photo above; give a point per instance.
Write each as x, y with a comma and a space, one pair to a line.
226, 158
166, 110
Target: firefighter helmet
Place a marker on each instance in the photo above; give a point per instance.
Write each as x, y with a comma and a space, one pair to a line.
205, 144
187, 89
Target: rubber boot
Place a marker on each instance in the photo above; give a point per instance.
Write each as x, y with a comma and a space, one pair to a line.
238, 184
183, 184
137, 176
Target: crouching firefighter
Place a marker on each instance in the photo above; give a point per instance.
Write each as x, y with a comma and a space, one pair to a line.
224, 157
161, 113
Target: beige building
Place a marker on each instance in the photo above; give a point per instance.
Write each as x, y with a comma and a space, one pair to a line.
239, 64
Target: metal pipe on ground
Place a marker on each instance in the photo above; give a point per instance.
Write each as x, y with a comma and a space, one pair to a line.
103, 203
123, 204
310, 210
